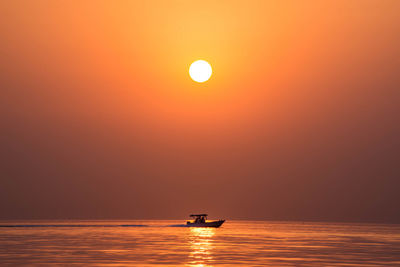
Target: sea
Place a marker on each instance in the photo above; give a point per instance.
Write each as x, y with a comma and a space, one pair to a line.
171, 243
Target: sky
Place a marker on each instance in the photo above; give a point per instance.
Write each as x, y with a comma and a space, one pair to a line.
299, 121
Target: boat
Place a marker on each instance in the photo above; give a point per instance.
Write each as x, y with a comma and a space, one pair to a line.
200, 220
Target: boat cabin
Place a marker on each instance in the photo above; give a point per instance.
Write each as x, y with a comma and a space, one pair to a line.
199, 218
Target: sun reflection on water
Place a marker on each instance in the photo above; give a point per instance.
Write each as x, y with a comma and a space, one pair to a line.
201, 245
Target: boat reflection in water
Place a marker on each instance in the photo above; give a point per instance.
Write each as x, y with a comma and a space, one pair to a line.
201, 243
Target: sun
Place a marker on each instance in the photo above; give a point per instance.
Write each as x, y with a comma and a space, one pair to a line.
200, 71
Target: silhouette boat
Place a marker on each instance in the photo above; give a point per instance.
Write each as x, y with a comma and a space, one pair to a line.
200, 220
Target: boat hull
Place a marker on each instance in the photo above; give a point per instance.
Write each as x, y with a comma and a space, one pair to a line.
214, 224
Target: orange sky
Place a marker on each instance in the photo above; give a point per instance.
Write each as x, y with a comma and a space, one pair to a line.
101, 119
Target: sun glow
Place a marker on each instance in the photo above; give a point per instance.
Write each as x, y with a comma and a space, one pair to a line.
200, 71
201, 243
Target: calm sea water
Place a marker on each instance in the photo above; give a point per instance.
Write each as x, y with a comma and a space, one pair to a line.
151, 243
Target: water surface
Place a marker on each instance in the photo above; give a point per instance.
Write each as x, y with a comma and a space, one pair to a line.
151, 243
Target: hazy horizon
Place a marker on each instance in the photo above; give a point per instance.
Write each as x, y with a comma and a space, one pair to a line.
299, 121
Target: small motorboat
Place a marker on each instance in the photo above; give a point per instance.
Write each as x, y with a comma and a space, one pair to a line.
200, 220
